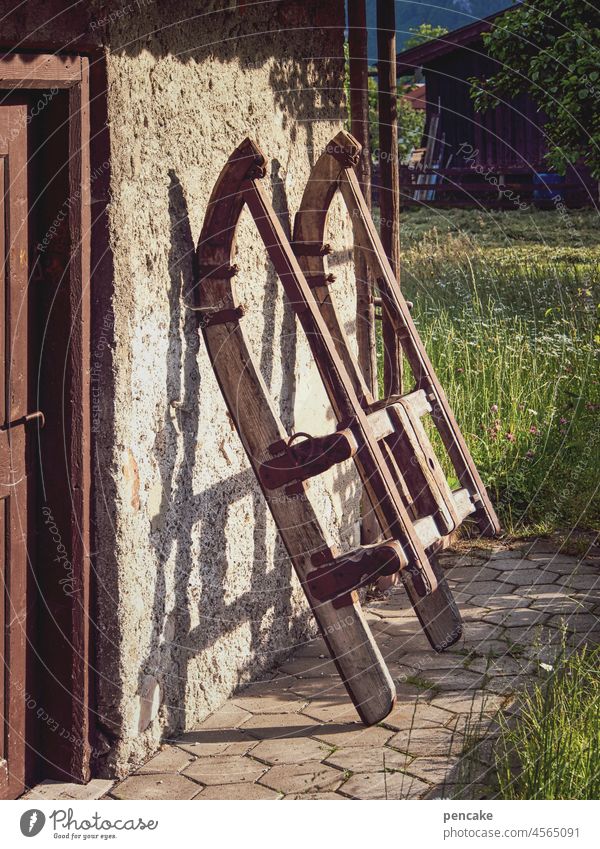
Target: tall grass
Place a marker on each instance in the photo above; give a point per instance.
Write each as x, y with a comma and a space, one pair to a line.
513, 335
552, 750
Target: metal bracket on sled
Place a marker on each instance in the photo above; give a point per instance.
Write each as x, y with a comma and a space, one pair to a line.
338, 576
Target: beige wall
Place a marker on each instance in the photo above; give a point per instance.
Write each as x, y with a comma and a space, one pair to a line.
196, 593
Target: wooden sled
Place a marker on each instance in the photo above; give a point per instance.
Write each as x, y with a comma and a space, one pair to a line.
426, 490
283, 464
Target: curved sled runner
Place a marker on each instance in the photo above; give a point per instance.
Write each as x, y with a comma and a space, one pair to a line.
376, 436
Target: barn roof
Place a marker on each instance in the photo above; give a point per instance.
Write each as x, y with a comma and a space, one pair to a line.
424, 54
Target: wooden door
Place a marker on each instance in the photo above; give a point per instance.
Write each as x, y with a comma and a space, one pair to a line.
14, 399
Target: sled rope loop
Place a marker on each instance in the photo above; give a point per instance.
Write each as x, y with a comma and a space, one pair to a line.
383, 439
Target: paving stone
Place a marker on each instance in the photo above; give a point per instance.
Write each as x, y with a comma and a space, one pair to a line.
313, 797
505, 684
423, 661
537, 590
228, 716
505, 564
553, 560
340, 711
312, 648
474, 704
265, 698
417, 714
457, 679
434, 770
59, 791
428, 741
319, 688
208, 742
482, 631
288, 751
462, 560
476, 647
518, 552
171, 759
466, 574
501, 600
361, 759
579, 582
280, 726
582, 623
563, 570
461, 791
384, 785
309, 667
485, 588
299, 778
500, 666
165, 786
531, 635
225, 769
473, 613
406, 691
525, 577
244, 791
353, 734
524, 616
555, 604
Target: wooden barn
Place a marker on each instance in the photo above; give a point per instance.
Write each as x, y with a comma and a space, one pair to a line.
495, 158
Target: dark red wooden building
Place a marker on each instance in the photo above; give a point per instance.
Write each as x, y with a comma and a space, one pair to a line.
495, 158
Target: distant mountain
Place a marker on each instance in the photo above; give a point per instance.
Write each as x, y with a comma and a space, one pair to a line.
451, 14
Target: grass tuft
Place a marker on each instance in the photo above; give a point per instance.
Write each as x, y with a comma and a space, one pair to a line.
552, 749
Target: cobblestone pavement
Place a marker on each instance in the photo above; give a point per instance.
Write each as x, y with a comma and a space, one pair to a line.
296, 736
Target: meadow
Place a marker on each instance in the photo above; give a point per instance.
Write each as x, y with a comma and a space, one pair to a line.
508, 305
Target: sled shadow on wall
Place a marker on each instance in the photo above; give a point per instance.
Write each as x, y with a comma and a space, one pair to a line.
201, 612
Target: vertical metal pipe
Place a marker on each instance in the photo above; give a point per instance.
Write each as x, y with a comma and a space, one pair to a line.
366, 338
359, 127
389, 189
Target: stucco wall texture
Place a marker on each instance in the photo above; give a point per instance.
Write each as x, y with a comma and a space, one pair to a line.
195, 592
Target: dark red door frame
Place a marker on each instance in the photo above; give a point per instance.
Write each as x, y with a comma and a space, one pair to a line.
47, 71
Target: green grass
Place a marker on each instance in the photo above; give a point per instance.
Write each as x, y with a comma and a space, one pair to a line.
552, 749
511, 326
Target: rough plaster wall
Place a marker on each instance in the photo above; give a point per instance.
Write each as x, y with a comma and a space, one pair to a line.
197, 594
